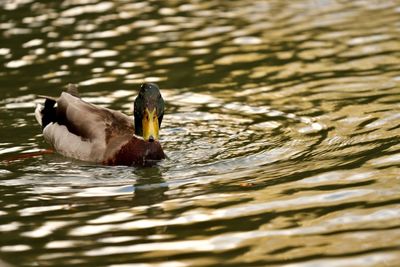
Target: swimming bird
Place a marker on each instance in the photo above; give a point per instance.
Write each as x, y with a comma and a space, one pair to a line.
81, 130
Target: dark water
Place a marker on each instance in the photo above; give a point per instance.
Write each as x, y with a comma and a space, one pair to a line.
282, 132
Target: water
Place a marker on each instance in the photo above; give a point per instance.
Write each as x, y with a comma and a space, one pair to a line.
281, 128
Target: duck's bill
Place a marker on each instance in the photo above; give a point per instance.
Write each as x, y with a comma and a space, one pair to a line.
150, 125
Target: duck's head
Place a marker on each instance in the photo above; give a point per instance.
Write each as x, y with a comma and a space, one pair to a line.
148, 112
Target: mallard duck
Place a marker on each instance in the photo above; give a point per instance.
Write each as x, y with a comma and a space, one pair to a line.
80, 130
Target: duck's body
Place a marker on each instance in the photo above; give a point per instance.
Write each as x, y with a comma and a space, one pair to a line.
83, 131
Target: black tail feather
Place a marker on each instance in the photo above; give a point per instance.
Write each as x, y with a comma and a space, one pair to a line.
49, 113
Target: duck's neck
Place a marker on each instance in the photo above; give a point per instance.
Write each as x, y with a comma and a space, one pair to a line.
137, 152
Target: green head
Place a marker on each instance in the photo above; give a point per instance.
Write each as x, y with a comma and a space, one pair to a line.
148, 112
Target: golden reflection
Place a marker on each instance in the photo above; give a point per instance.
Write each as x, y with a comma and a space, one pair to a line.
4, 51
247, 40
167, 11
386, 161
200, 51
95, 81
46, 229
66, 44
15, 248
84, 61
70, 53
120, 72
32, 43
128, 64
163, 52
162, 28
243, 58
63, 244
103, 53
15, 64
171, 60
149, 39
85, 9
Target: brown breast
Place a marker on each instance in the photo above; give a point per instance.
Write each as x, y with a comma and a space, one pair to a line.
137, 152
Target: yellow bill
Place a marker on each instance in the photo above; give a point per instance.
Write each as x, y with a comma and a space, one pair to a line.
150, 125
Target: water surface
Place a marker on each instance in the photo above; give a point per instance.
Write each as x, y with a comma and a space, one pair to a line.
281, 129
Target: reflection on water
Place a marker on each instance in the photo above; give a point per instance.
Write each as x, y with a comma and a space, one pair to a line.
282, 133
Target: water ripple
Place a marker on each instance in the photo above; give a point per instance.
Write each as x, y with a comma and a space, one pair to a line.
281, 132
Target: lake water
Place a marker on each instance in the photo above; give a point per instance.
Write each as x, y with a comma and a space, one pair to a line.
282, 131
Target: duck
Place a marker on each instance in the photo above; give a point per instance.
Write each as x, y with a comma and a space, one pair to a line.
84, 131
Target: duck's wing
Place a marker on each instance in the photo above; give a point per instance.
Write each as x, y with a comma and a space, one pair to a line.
81, 130
89, 121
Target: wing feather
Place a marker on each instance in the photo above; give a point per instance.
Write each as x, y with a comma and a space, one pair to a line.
91, 122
